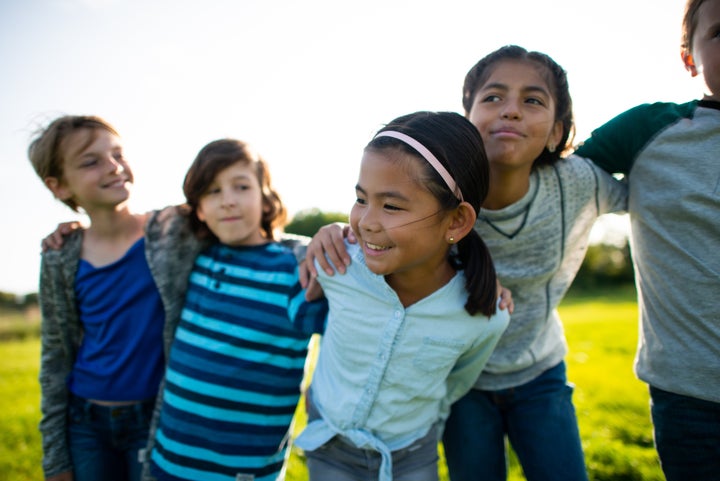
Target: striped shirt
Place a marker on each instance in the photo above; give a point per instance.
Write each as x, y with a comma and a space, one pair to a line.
235, 367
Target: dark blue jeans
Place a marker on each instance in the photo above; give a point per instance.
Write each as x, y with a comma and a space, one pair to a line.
687, 435
539, 420
105, 441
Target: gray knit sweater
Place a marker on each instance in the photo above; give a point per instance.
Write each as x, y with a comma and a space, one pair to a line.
537, 245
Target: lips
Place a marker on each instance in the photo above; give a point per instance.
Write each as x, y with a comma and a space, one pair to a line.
506, 132
116, 183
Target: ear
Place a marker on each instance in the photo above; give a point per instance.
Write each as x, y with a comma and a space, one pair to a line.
689, 62
462, 222
555, 137
58, 188
200, 214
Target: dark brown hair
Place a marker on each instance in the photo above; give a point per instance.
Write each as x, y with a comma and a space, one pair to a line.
213, 159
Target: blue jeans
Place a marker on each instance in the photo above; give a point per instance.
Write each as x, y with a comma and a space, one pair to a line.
687, 435
539, 420
105, 441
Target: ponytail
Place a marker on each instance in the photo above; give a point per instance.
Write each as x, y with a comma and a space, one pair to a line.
480, 278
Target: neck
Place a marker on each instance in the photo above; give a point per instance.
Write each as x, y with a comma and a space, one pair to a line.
119, 223
110, 235
507, 186
413, 288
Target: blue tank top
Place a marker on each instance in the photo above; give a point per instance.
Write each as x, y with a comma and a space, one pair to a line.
121, 354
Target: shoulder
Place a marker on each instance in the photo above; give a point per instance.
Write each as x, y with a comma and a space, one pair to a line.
279, 249
273, 256
658, 114
293, 240
170, 225
573, 173
173, 217
356, 273
70, 250
573, 164
615, 145
647, 119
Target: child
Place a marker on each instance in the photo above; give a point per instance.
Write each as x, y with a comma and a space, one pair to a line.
536, 221
102, 328
236, 363
670, 153
412, 322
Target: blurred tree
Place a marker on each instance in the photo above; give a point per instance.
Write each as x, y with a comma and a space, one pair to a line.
9, 300
307, 222
605, 264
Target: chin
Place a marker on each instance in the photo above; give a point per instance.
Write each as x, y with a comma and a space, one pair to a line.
380, 270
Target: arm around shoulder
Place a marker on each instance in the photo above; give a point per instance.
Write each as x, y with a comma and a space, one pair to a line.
615, 145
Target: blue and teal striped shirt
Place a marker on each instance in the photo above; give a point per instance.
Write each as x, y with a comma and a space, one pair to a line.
235, 367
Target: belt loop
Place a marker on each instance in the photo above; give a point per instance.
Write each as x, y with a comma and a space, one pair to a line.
87, 409
145, 410
139, 410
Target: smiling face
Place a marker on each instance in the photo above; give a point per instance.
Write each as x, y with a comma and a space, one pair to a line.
705, 58
514, 111
397, 221
232, 206
95, 175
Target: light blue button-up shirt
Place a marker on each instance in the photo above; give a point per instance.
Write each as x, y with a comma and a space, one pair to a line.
387, 374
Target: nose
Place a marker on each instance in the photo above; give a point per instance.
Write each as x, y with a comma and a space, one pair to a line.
227, 199
368, 221
511, 110
114, 165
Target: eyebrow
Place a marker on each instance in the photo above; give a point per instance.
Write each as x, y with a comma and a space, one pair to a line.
387, 194
529, 88
241, 177
88, 152
712, 28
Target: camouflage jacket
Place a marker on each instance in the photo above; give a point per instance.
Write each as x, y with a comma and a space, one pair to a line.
170, 249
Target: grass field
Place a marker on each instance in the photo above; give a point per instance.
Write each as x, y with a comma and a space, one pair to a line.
612, 405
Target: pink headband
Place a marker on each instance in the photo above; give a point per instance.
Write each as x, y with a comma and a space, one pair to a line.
427, 155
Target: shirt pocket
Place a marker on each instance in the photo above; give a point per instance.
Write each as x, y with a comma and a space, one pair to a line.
438, 354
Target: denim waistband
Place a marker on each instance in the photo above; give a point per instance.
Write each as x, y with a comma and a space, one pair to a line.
140, 408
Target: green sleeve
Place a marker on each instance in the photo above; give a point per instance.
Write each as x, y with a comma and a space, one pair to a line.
615, 145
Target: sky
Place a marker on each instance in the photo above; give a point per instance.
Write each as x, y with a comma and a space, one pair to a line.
305, 82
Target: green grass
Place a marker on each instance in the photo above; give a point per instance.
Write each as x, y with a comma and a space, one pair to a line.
20, 450
612, 405
17, 324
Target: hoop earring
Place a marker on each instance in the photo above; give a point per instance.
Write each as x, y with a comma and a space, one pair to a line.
551, 148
